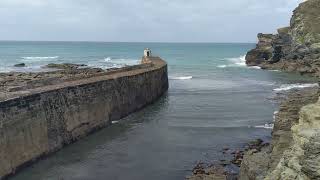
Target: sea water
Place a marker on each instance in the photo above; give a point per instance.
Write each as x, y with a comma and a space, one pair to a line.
214, 101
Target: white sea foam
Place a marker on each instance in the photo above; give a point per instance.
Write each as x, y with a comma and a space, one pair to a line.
107, 59
115, 122
287, 87
40, 58
181, 78
274, 70
108, 62
275, 115
254, 67
266, 126
127, 62
222, 66
239, 61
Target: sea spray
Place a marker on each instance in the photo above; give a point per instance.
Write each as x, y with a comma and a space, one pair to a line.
181, 78
288, 87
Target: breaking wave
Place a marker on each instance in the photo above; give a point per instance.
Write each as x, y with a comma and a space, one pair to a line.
222, 66
288, 87
181, 78
275, 115
109, 62
254, 67
266, 126
237, 62
107, 59
40, 58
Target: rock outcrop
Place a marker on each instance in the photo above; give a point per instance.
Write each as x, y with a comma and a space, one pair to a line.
295, 48
261, 164
302, 160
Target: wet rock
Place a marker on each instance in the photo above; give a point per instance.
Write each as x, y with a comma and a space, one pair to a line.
201, 172
20, 65
65, 66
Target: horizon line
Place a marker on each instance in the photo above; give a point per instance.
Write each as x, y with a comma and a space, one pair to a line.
90, 41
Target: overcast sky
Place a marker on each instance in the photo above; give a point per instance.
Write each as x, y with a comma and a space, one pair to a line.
142, 20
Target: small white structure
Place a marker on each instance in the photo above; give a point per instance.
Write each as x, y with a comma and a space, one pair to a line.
147, 52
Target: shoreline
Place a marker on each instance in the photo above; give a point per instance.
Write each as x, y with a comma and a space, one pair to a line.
293, 150
254, 158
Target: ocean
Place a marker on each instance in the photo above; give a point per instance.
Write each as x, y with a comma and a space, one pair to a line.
214, 101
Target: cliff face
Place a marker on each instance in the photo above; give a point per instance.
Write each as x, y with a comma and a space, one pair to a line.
295, 146
302, 160
260, 164
295, 48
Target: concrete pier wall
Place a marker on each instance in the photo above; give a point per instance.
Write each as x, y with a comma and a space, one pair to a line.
47, 118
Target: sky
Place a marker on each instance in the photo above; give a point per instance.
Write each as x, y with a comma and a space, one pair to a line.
142, 20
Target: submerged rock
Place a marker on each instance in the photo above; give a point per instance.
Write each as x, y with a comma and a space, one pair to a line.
20, 65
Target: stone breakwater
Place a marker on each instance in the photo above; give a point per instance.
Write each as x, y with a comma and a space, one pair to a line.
43, 115
295, 48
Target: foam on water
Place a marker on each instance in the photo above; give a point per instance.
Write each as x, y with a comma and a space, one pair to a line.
254, 67
107, 59
266, 126
288, 87
275, 115
222, 66
109, 62
237, 62
39, 58
181, 78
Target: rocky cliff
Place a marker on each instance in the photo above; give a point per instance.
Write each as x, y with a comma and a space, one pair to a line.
295, 146
295, 48
261, 164
302, 160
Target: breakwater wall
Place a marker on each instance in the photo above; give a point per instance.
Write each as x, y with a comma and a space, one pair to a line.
43, 120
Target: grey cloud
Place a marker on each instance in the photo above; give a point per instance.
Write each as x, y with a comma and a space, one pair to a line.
142, 20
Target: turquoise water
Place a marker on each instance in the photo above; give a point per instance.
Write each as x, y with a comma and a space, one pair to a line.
214, 101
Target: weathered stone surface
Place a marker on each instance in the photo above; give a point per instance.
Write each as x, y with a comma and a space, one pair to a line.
302, 160
39, 120
255, 165
208, 173
258, 165
262, 52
